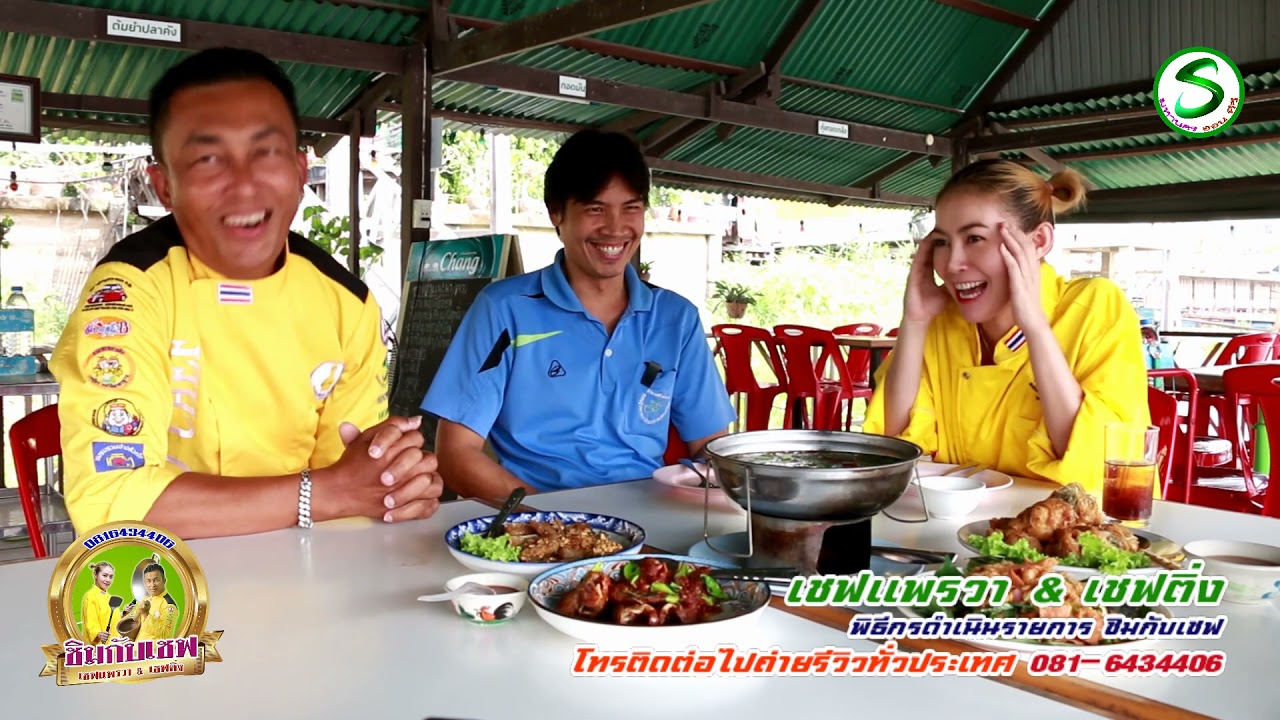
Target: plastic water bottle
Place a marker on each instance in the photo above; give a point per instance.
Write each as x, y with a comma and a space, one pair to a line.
17, 344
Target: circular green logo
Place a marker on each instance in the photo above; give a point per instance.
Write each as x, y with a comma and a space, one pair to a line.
1198, 92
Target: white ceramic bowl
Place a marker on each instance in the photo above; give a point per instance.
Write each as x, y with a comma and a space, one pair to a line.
950, 497
489, 609
1249, 583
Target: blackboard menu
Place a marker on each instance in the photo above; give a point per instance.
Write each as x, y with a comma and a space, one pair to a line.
430, 315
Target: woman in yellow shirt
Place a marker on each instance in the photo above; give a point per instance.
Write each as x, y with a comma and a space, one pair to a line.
1006, 363
95, 607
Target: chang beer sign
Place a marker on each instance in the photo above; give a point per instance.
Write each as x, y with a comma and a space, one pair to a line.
462, 258
1198, 92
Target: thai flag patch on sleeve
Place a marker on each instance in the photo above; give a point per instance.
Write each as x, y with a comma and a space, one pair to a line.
1016, 341
235, 294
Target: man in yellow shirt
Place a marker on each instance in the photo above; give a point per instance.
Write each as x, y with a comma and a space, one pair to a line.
158, 613
95, 607
1006, 363
246, 363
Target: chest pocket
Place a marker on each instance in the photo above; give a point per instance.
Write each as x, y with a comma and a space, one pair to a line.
648, 400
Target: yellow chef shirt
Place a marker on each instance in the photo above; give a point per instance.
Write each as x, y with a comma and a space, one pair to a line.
165, 367
967, 412
158, 622
95, 613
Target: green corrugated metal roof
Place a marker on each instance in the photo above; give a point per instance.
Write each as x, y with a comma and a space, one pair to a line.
864, 109
921, 178
921, 50
1188, 166
910, 48
785, 155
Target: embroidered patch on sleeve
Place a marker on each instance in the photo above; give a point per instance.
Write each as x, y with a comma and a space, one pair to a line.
108, 456
109, 367
118, 417
106, 327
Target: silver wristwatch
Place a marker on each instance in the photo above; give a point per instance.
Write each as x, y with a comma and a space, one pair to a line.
304, 499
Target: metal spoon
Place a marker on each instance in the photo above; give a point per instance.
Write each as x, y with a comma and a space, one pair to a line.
468, 588
497, 527
909, 556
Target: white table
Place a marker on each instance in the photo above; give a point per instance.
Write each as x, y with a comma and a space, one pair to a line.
324, 624
1251, 640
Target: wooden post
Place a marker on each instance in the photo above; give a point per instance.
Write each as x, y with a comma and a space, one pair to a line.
415, 160
355, 184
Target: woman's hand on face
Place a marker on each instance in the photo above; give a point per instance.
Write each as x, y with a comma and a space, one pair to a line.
1020, 259
924, 297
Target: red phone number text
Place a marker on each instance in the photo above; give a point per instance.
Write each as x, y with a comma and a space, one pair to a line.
1177, 663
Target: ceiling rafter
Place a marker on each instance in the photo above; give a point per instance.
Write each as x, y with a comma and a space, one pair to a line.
54, 19
991, 12
544, 83
1018, 58
1149, 124
578, 19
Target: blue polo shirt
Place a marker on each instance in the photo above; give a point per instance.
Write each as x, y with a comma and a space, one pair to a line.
565, 405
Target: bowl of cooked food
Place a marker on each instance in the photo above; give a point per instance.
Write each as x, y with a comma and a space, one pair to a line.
534, 542
654, 601
1063, 629
1252, 570
1070, 527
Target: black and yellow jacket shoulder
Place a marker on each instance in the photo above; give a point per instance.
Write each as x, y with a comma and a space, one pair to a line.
164, 368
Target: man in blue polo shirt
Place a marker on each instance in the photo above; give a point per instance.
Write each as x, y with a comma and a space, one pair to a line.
575, 373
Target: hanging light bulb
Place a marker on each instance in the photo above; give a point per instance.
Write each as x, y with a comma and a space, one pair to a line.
106, 165
373, 158
13, 180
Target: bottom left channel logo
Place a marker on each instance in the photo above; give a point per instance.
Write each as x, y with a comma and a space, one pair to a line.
128, 603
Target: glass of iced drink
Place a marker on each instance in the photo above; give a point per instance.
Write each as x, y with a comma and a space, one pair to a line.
1131, 452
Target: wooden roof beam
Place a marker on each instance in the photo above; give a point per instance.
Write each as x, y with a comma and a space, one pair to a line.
742, 178
1047, 161
545, 83
142, 109
1018, 58
1260, 67
584, 17
55, 19
991, 12
1150, 124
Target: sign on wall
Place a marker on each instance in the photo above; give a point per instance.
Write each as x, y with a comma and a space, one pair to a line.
19, 109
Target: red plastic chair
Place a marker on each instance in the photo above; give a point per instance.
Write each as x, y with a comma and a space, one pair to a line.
32, 439
806, 378
677, 450
737, 344
1176, 436
1240, 350
859, 363
1260, 385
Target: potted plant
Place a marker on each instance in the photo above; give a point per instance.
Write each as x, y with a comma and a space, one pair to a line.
736, 298
645, 268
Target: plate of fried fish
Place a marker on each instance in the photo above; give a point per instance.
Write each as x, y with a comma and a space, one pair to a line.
1024, 577
1070, 527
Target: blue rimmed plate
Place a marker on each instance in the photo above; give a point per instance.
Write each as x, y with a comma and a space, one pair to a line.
747, 600
629, 534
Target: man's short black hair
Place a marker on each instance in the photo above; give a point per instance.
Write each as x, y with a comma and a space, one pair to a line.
153, 567
211, 66
587, 161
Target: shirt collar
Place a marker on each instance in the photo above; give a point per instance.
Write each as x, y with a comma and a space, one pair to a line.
555, 285
1052, 287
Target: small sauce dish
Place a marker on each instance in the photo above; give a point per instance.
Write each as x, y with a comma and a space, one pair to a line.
484, 609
